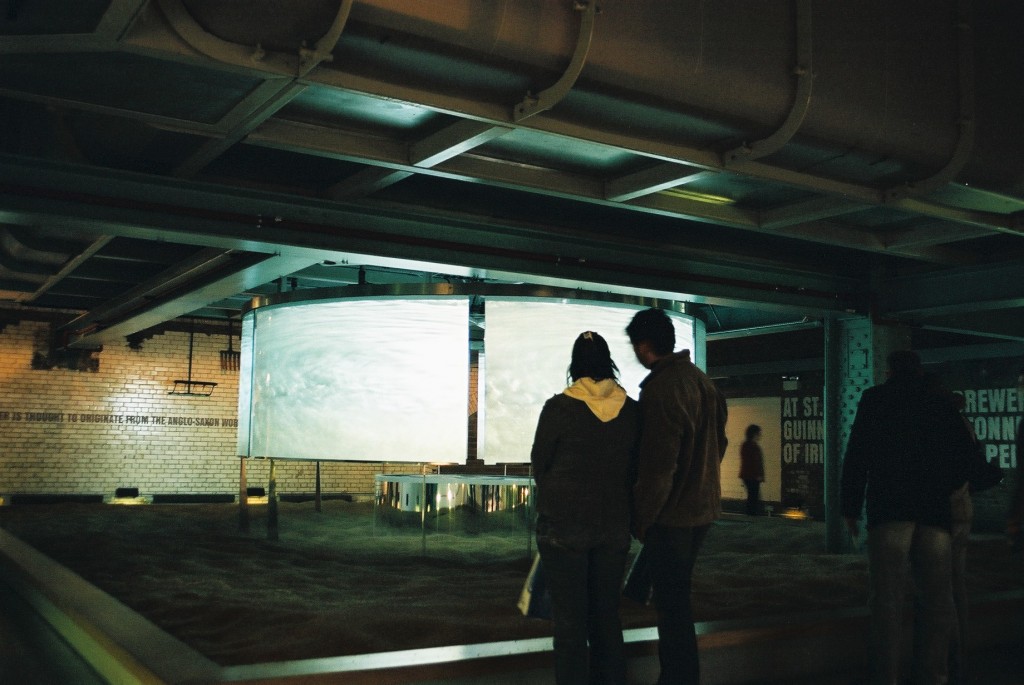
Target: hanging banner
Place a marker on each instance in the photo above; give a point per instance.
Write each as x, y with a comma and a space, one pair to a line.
803, 450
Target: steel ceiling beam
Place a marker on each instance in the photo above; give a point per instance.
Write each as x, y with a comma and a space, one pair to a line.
1000, 223
821, 207
452, 141
827, 233
659, 150
679, 154
956, 291
281, 134
268, 100
449, 155
366, 182
271, 97
155, 209
652, 180
173, 279
988, 324
932, 233
119, 16
454, 104
67, 269
188, 286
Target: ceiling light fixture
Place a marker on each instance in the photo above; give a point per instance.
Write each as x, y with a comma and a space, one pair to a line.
697, 196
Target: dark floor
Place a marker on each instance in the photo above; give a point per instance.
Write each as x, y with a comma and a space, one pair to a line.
1002, 665
31, 653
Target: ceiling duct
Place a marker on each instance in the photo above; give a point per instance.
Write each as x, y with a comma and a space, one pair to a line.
888, 78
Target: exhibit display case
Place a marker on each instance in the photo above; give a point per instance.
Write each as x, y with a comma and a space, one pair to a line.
383, 373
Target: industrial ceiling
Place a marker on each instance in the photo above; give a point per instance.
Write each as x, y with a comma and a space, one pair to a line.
768, 162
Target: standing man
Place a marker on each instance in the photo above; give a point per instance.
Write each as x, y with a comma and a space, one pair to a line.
677, 494
908, 450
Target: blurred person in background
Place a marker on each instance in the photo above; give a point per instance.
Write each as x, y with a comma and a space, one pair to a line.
908, 451
752, 468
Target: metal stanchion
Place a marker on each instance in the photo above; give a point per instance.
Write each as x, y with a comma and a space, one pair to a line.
243, 498
272, 503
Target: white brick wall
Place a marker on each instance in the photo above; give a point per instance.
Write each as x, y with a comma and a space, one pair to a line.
80, 432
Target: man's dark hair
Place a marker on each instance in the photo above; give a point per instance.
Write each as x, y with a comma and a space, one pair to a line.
904, 364
653, 326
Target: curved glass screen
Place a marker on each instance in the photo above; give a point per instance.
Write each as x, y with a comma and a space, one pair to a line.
528, 345
382, 379
385, 378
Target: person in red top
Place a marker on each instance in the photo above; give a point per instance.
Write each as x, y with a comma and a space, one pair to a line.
752, 468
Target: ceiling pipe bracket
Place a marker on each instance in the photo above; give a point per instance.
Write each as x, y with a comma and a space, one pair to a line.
276, 97
803, 71
546, 99
965, 140
323, 50
202, 41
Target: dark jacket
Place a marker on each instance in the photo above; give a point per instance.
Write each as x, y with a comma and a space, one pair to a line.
908, 450
682, 443
584, 467
751, 461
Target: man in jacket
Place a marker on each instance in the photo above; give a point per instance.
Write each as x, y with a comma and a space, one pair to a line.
908, 450
677, 494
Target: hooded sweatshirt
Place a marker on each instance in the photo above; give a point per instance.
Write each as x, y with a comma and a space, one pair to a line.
583, 454
605, 397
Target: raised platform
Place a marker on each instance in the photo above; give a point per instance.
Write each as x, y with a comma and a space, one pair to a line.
437, 491
123, 647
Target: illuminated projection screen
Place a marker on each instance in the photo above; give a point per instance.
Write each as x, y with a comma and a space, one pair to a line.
528, 346
385, 379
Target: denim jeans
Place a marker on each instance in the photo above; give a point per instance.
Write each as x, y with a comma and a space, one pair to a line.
673, 552
895, 551
586, 587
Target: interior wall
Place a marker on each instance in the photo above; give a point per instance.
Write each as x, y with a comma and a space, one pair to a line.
71, 432
993, 407
765, 412
91, 432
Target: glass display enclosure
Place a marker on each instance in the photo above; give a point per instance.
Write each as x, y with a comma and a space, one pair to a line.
360, 379
382, 373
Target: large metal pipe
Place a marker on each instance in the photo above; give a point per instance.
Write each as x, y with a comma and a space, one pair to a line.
888, 97
885, 75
